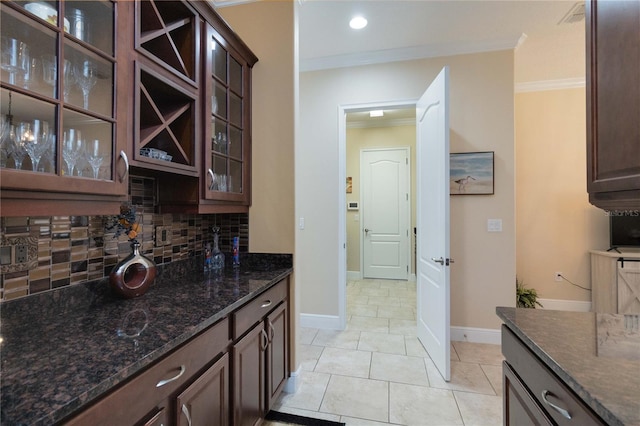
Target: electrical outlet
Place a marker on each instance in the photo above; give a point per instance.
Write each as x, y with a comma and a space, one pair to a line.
22, 254
558, 276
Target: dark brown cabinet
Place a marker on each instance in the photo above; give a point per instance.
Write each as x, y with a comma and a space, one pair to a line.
260, 357
63, 124
533, 394
613, 104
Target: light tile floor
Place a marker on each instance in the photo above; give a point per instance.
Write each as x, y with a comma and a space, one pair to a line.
376, 372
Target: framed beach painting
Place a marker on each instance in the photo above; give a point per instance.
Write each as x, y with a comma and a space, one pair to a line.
471, 173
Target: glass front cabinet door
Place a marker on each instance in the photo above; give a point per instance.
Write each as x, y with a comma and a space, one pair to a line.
58, 127
227, 139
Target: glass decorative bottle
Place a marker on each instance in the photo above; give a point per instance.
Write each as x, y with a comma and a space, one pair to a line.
217, 257
133, 276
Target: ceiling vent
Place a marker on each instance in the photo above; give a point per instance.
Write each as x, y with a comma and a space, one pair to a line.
575, 14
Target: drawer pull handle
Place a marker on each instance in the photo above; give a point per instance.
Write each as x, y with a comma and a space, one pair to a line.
266, 304
560, 410
176, 377
185, 410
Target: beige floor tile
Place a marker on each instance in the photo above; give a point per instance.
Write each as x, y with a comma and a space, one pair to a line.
357, 300
362, 310
379, 325
465, 377
347, 339
382, 342
396, 312
352, 421
394, 285
384, 300
367, 284
418, 405
481, 353
308, 356
408, 303
494, 374
454, 355
310, 393
307, 335
403, 293
414, 347
401, 326
399, 368
353, 291
354, 397
479, 410
346, 362
375, 292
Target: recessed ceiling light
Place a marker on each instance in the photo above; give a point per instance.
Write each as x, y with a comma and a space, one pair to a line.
376, 113
358, 23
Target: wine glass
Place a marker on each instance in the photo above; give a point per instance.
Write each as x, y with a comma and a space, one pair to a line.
16, 146
71, 149
50, 74
15, 58
93, 156
86, 75
5, 128
37, 141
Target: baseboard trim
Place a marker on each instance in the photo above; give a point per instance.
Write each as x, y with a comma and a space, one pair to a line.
475, 335
354, 276
325, 322
565, 305
293, 382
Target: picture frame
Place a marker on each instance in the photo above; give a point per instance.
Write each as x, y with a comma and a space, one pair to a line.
471, 173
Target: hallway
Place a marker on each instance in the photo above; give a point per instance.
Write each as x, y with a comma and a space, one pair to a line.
376, 372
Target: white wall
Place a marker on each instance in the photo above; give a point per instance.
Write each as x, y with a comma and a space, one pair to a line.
482, 119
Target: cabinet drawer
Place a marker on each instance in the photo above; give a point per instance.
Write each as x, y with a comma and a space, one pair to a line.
258, 308
136, 398
539, 380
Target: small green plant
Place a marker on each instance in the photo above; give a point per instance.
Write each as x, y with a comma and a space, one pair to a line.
526, 297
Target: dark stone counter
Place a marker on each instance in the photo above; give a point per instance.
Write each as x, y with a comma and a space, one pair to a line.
63, 349
596, 355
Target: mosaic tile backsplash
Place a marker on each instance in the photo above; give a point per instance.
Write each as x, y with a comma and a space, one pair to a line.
76, 249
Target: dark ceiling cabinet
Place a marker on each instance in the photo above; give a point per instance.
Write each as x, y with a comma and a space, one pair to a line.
161, 87
613, 104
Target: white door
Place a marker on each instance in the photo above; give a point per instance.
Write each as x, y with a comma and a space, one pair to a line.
384, 177
432, 146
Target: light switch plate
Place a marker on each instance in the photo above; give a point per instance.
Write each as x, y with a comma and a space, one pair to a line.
494, 225
163, 236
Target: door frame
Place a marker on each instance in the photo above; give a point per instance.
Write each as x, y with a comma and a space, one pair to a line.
342, 195
407, 150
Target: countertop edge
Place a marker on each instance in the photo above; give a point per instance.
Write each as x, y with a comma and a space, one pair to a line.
557, 369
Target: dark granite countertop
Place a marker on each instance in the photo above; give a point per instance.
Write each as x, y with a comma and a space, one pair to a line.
65, 348
596, 355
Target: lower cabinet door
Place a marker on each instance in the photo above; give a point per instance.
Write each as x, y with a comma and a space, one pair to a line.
277, 352
206, 401
157, 419
249, 377
519, 406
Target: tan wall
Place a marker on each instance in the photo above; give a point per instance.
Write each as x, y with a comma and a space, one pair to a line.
556, 225
268, 29
482, 117
374, 137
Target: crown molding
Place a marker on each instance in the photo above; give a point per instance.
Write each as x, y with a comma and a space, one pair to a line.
539, 86
404, 54
217, 4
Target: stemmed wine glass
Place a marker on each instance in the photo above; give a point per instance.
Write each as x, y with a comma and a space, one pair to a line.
86, 75
37, 141
71, 149
16, 145
93, 156
5, 127
15, 58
